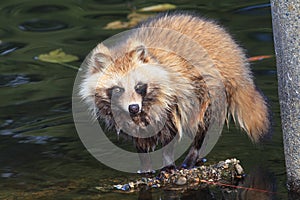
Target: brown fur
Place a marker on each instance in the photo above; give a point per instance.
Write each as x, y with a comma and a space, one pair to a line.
246, 105
177, 88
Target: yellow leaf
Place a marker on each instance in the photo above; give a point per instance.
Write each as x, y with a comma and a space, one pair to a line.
158, 8
117, 25
57, 56
134, 19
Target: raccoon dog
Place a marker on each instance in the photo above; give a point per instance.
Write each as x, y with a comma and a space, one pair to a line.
154, 84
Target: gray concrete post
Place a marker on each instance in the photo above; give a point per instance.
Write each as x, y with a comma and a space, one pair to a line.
286, 29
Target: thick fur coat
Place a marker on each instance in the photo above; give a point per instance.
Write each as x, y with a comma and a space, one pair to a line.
156, 80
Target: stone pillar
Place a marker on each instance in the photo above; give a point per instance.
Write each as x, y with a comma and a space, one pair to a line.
286, 29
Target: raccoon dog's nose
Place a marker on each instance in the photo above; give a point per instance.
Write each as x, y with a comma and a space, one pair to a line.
134, 108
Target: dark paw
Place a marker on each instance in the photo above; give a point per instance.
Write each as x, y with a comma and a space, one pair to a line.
169, 168
187, 165
200, 162
183, 166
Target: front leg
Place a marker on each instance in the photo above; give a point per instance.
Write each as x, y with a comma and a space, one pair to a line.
146, 163
168, 157
145, 159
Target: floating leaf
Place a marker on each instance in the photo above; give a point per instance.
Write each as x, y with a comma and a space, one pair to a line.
158, 8
117, 25
258, 58
134, 19
57, 56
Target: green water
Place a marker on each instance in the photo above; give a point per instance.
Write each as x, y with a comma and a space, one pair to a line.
41, 155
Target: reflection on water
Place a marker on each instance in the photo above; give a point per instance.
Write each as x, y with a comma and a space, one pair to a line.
41, 156
39, 25
258, 9
8, 47
41, 9
14, 80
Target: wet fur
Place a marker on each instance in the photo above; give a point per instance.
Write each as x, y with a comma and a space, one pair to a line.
185, 106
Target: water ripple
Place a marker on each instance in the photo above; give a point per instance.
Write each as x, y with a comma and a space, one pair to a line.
259, 9
9, 47
42, 25
46, 9
14, 80
31, 8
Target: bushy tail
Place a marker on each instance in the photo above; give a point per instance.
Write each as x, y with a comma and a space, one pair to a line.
249, 109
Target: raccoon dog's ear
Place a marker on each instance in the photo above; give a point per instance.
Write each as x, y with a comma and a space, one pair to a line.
139, 53
100, 59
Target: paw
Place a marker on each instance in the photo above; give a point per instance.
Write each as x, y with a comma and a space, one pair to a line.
187, 165
169, 168
190, 165
183, 166
200, 162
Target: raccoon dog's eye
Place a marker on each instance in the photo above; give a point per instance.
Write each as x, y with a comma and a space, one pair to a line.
117, 91
141, 88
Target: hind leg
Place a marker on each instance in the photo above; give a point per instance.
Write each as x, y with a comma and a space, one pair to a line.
193, 156
191, 159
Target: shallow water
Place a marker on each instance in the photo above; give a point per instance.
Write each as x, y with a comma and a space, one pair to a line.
41, 155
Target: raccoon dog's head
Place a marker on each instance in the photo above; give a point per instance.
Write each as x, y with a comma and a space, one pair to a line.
128, 89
